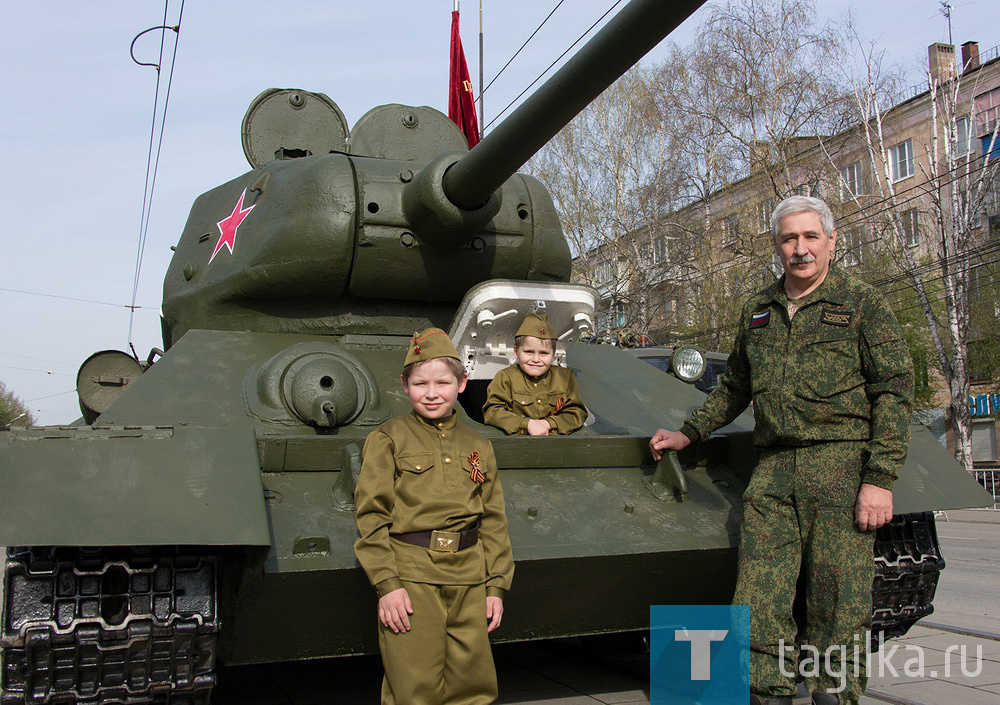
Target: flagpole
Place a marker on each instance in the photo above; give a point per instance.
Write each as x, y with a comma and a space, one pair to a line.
482, 123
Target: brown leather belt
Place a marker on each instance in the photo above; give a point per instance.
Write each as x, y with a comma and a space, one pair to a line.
449, 541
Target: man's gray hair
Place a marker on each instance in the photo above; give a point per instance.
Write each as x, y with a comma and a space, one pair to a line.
799, 204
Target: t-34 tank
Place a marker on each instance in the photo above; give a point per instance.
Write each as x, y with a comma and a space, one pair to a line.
203, 512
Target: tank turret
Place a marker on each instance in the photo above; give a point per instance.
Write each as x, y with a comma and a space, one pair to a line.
383, 228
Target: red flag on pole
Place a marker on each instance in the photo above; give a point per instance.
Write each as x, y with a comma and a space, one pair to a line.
461, 103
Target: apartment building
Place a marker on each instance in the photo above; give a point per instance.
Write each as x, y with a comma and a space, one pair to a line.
889, 178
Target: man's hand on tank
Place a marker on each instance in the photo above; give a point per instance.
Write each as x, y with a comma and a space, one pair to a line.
667, 440
873, 508
393, 609
538, 427
494, 612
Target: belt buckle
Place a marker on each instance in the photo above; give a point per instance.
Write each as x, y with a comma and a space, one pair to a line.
446, 541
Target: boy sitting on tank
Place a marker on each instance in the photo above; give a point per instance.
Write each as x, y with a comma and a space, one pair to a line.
433, 538
533, 397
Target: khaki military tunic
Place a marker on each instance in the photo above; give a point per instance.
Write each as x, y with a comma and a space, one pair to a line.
831, 390
514, 398
416, 476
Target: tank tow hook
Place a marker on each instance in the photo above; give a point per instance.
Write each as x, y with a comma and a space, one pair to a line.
667, 483
350, 470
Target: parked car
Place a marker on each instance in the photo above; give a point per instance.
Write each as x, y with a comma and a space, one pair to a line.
702, 369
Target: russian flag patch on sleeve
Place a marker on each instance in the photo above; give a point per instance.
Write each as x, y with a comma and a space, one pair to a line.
759, 320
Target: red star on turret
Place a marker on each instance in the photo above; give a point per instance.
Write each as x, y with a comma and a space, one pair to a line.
227, 226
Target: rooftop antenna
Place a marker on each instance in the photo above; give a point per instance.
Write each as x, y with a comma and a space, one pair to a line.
946, 11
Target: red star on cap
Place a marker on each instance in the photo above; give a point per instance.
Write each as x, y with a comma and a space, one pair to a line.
227, 226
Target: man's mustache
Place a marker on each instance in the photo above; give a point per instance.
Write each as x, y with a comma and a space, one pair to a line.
801, 259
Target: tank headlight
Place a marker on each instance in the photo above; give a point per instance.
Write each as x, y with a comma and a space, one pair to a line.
688, 363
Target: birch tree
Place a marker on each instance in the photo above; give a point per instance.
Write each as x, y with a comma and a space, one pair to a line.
608, 173
943, 176
13, 410
635, 176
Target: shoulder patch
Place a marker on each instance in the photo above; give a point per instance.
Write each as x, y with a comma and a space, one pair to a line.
836, 318
759, 320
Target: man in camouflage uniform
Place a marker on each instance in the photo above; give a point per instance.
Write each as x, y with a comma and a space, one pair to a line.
823, 360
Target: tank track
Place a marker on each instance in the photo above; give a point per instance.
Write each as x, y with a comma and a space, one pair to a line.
114, 625
908, 564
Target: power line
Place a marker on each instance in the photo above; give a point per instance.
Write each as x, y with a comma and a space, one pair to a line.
887, 206
38, 359
552, 12
733, 326
29, 369
72, 298
49, 396
558, 58
150, 182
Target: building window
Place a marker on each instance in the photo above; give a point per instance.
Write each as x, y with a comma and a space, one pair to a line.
963, 136
731, 228
987, 110
850, 181
984, 441
991, 147
660, 253
776, 267
853, 247
669, 305
766, 208
618, 318
981, 362
901, 160
911, 227
602, 272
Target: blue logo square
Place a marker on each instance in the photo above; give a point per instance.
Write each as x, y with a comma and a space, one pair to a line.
694, 655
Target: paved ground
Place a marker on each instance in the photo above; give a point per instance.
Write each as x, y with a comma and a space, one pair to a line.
584, 672
594, 671
616, 671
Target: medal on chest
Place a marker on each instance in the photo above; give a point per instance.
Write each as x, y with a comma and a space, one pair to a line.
475, 473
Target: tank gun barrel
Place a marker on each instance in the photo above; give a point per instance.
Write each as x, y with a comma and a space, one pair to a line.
624, 40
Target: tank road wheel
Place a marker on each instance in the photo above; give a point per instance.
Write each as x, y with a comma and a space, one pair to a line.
908, 564
112, 625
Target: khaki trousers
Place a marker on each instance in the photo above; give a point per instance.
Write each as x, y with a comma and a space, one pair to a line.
445, 658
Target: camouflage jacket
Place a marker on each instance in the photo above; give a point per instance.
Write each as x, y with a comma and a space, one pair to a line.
839, 370
416, 475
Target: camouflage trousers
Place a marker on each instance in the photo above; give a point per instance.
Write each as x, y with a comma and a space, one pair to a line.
798, 518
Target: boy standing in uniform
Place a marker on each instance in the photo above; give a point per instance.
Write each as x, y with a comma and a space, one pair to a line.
433, 538
533, 397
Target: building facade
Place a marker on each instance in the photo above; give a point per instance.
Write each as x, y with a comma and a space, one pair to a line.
902, 182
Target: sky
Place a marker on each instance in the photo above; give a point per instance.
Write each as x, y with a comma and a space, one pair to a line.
75, 119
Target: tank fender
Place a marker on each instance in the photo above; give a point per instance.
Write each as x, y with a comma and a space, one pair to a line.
131, 486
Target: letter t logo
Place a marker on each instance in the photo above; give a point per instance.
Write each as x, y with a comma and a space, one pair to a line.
701, 649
